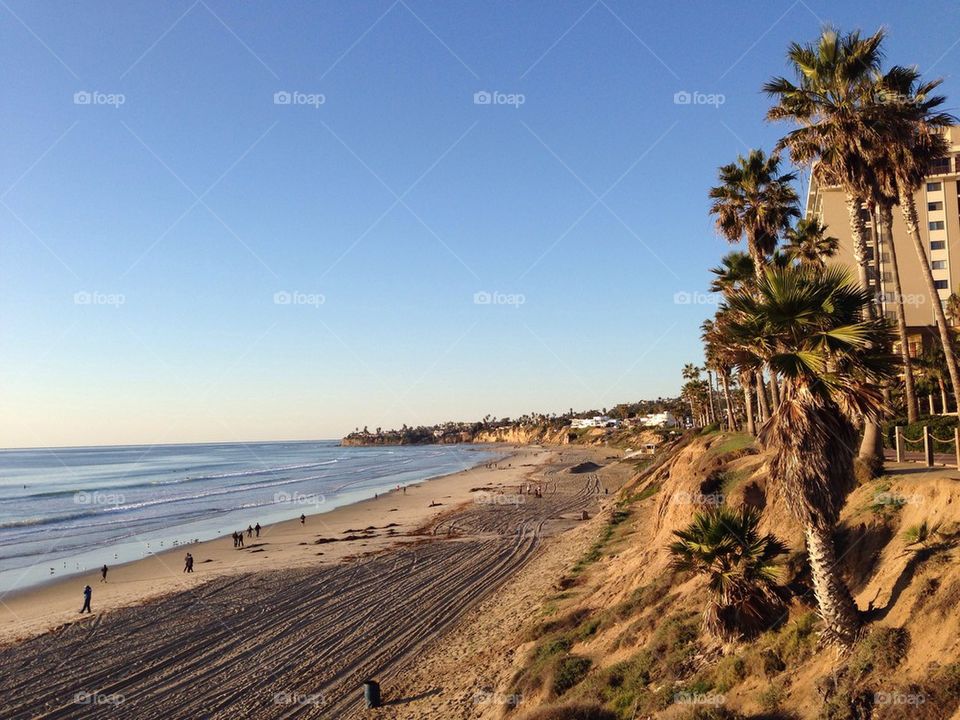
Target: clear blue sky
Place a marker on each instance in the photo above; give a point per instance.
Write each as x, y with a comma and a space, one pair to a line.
143, 244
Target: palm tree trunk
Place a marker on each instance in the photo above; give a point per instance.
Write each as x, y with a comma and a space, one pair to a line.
748, 401
870, 449
725, 382
909, 208
837, 608
909, 391
774, 389
762, 397
713, 407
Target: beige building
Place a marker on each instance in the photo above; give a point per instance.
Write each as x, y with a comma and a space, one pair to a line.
939, 219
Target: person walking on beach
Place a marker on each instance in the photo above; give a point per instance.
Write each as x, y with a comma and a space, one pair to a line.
234, 536
240, 539
103, 573
303, 519
188, 563
87, 593
249, 531
256, 529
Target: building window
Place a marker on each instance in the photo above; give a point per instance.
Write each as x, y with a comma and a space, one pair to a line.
939, 264
934, 187
934, 206
940, 284
938, 244
940, 166
937, 225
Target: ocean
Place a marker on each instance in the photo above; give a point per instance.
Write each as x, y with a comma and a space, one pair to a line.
67, 510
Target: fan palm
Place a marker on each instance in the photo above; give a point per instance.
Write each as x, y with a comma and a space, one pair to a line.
754, 201
741, 568
809, 244
812, 326
736, 270
832, 104
720, 357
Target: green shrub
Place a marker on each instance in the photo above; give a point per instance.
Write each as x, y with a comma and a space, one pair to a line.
569, 671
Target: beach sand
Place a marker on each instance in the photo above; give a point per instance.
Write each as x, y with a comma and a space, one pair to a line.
286, 544
286, 632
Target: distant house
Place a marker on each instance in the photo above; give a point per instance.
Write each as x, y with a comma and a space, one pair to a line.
597, 421
662, 420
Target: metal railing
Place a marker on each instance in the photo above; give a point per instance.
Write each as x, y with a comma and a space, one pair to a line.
925, 441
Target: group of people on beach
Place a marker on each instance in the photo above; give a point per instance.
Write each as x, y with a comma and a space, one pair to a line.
251, 529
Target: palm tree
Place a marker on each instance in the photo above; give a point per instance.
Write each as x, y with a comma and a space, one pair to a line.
754, 201
736, 270
832, 103
721, 359
915, 134
951, 309
814, 328
741, 568
809, 244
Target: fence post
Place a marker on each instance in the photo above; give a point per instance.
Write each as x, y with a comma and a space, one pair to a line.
956, 444
898, 442
927, 446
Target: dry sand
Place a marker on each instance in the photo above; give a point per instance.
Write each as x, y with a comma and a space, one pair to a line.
235, 639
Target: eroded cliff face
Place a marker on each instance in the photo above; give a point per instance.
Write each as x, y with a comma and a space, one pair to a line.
533, 435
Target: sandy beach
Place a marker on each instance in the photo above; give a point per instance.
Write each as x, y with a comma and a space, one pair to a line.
291, 624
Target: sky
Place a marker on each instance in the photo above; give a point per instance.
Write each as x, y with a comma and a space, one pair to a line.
254, 221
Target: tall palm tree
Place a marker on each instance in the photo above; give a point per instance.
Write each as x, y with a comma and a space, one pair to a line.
914, 127
951, 309
809, 244
754, 201
741, 566
832, 104
721, 359
813, 327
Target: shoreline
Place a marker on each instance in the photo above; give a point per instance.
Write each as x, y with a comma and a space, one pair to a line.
367, 526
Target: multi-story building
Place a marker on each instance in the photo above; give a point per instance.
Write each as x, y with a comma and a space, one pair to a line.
938, 213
